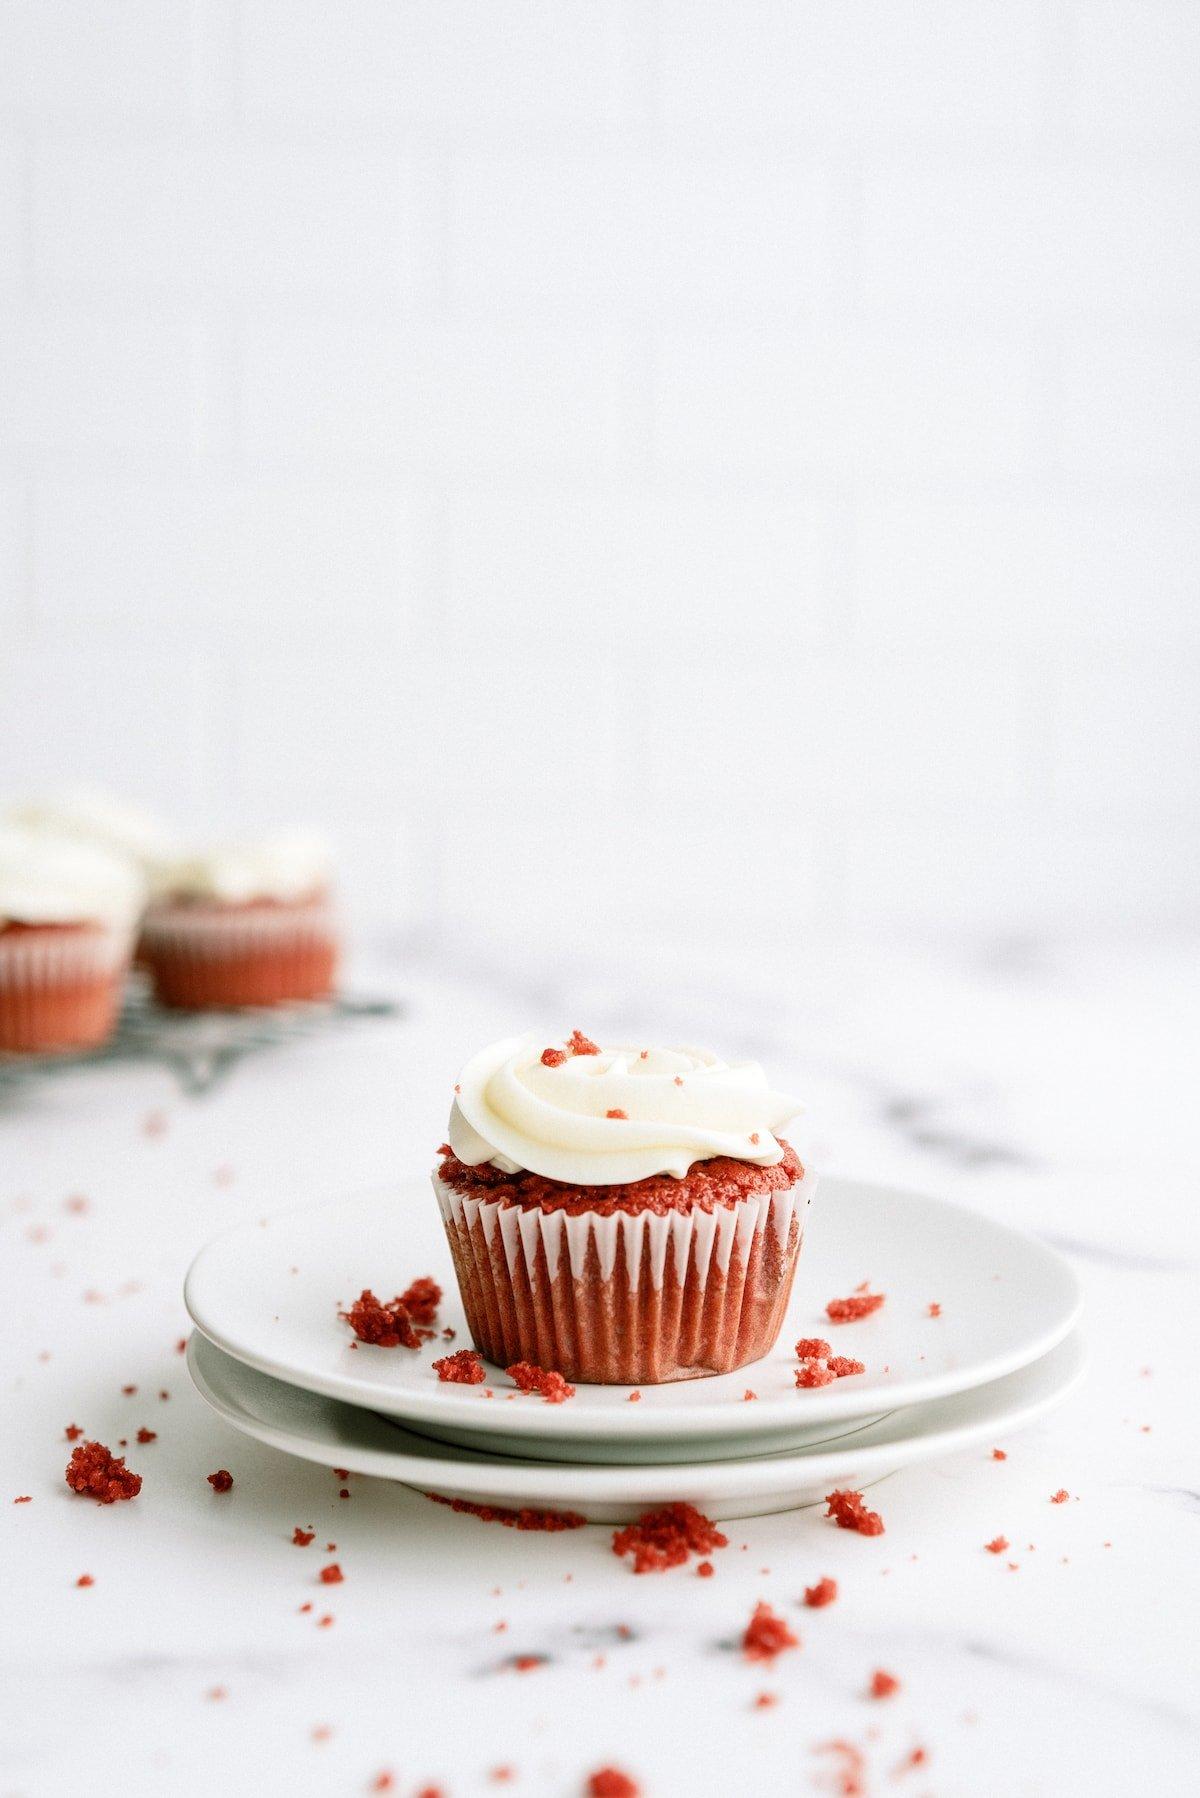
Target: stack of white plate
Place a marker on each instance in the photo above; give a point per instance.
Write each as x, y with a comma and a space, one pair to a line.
977, 1337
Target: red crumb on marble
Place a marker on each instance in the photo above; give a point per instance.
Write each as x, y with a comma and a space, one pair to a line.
705, 1570
997, 1545
421, 1300
463, 1368
77, 1204
217, 1693
331, 1575
883, 1683
26, 1498
765, 1700
610, 1782
579, 1044
823, 1593
767, 1635
221, 1480
383, 1326
72, 1432
145, 1435
616, 1112
302, 1538
859, 1304
666, 1536
94, 1472
842, 1365
935, 1310
814, 1373
181, 1346
524, 1519
500, 1775
849, 1512
384, 1782
1060, 1497
813, 1348
998, 1454
85, 1579
164, 1395
916, 1757
551, 1386
850, 1774
325, 1622
129, 1391
553, 1058
525, 1663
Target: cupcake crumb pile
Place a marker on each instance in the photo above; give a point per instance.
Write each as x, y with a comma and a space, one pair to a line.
95, 1472
530, 1378
849, 1511
463, 1368
666, 1537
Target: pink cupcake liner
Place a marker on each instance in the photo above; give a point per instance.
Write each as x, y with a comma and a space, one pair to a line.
204, 954
628, 1298
60, 987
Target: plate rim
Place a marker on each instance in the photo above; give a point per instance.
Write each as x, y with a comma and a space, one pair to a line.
632, 1423
483, 1475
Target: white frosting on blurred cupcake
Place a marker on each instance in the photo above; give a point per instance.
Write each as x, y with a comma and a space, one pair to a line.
288, 866
88, 816
49, 879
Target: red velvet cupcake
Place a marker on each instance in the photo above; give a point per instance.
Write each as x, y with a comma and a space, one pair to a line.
250, 925
625, 1216
67, 916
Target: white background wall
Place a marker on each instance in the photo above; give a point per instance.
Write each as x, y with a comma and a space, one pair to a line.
651, 464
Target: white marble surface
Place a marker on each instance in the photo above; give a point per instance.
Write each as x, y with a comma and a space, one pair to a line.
1054, 1090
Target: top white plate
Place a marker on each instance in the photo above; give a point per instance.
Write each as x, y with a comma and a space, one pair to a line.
269, 1294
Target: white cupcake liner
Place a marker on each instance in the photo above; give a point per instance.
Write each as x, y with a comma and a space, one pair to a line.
627, 1297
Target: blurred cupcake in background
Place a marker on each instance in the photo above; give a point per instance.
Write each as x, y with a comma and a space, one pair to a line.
87, 815
68, 915
243, 924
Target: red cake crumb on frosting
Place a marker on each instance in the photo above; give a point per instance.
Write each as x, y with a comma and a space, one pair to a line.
859, 1304
841, 1365
665, 1538
463, 1368
707, 1184
221, 1480
579, 1044
616, 1112
849, 1512
610, 1782
524, 1519
767, 1635
883, 1683
553, 1058
421, 1300
814, 1373
823, 1593
813, 1348
384, 1326
95, 1472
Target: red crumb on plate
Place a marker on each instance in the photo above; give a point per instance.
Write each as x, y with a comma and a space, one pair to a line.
221, 1480
823, 1593
883, 1683
72, 1432
859, 1304
384, 1326
553, 1058
747, 1395
633, 1398
94, 1472
524, 1519
1060, 1497
814, 1373
302, 1538
525, 1663
331, 1575
579, 1044
997, 1545
85, 1579
767, 1635
421, 1300
610, 1782
666, 1536
849, 1512
705, 1570
384, 1782
145, 1435
463, 1368
841, 1365
935, 1310
998, 1454
765, 1700
813, 1348
552, 1387
617, 1113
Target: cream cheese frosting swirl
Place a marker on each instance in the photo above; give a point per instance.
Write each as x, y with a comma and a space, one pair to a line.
53, 880
284, 867
623, 1114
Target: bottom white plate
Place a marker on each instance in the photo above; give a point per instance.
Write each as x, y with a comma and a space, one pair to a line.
339, 1435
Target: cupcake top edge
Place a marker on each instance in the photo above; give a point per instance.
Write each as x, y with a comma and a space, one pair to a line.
592, 1115
47, 879
288, 866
